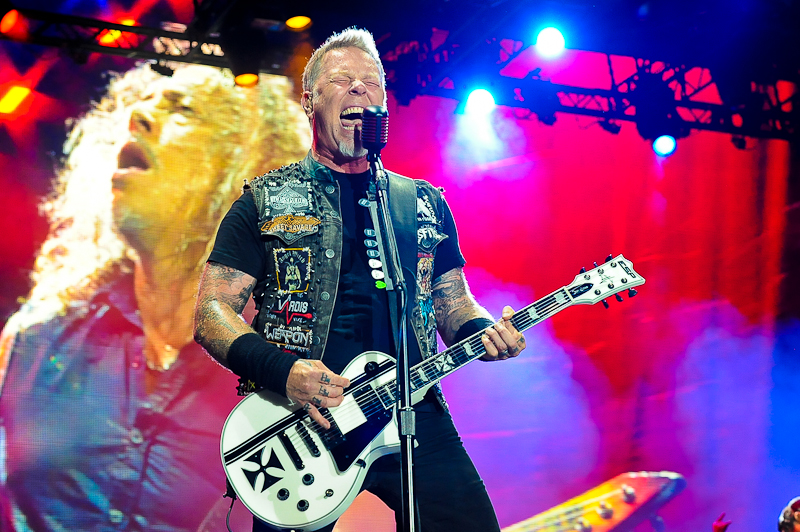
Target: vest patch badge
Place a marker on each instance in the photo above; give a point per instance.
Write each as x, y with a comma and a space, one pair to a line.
291, 309
289, 198
290, 227
428, 237
292, 269
424, 275
296, 340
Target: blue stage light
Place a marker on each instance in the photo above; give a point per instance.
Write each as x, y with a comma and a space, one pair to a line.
479, 102
664, 146
550, 42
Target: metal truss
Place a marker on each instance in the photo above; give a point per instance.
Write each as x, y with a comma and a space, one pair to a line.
80, 36
659, 97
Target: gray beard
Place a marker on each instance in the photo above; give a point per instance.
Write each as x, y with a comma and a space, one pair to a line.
349, 149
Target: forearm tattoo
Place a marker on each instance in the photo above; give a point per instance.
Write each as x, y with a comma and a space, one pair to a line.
454, 305
222, 296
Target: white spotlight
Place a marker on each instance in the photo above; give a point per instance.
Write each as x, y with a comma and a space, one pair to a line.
550, 42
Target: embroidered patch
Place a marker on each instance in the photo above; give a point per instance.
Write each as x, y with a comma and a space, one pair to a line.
425, 212
290, 309
291, 339
289, 198
289, 227
424, 275
428, 237
293, 269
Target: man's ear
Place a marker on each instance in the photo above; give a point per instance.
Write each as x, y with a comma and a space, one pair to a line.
306, 102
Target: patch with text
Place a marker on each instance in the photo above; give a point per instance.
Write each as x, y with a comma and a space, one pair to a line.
291, 227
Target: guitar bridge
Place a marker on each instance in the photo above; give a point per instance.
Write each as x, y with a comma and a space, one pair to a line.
312, 447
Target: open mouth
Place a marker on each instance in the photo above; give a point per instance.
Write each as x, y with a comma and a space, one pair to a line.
351, 117
132, 156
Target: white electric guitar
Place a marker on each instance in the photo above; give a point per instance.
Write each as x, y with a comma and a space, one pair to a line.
296, 476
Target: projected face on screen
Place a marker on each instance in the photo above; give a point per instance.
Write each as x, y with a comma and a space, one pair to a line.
182, 140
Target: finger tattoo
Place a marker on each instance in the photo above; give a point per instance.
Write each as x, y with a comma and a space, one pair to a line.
323, 391
325, 379
316, 400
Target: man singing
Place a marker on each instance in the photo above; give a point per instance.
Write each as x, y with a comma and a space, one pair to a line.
310, 220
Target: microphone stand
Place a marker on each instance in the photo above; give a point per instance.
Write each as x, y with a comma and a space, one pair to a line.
395, 282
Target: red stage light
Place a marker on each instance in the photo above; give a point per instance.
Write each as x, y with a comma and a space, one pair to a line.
15, 25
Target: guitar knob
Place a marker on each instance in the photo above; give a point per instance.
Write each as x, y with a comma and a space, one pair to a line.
608, 259
605, 303
308, 479
283, 494
628, 493
632, 292
328, 493
302, 505
583, 526
583, 270
605, 510
619, 298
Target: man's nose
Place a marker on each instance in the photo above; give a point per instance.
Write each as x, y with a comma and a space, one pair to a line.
141, 121
358, 87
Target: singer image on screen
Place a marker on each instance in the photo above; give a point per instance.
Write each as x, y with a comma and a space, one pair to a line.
111, 412
302, 243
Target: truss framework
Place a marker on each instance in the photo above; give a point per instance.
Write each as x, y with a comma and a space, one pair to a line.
658, 96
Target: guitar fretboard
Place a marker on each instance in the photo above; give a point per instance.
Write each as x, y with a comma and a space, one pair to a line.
435, 368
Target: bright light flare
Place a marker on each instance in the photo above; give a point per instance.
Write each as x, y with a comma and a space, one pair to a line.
246, 80
15, 96
550, 42
298, 23
111, 36
479, 102
665, 145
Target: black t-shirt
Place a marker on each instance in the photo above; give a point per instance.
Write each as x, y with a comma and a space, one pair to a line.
360, 320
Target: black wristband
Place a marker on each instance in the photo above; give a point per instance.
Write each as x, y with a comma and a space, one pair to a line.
253, 358
471, 327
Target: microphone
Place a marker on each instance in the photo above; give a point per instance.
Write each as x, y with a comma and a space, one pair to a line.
374, 128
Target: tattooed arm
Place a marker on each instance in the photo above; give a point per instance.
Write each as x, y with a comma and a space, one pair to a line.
454, 306
222, 296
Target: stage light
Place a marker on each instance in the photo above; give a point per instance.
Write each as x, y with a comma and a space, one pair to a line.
550, 42
111, 36
14, 25
15, 96
479, 102
298, 23
665, 145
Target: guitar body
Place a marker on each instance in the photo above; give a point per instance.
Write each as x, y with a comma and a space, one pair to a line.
292, 474
295, 476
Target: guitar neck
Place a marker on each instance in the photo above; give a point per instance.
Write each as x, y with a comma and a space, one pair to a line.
434, 369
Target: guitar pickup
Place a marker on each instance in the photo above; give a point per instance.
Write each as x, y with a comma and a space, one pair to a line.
312, 447
287, 444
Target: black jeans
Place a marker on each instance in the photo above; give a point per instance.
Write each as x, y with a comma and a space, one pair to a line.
450, 493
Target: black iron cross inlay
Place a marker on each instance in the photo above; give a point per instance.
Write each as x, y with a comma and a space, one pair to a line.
252, 476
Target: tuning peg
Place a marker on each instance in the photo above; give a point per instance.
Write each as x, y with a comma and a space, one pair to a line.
619, 298
632, 292
605, 303
608, 259
583, 270
595, 264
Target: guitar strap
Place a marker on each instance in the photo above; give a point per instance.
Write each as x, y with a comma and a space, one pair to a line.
403, 211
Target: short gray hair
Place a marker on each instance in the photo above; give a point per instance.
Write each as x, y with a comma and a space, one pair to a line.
349, 38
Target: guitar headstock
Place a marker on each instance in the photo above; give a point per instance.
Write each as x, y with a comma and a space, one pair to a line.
615, 275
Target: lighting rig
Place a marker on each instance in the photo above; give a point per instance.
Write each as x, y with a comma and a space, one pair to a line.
658, 96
